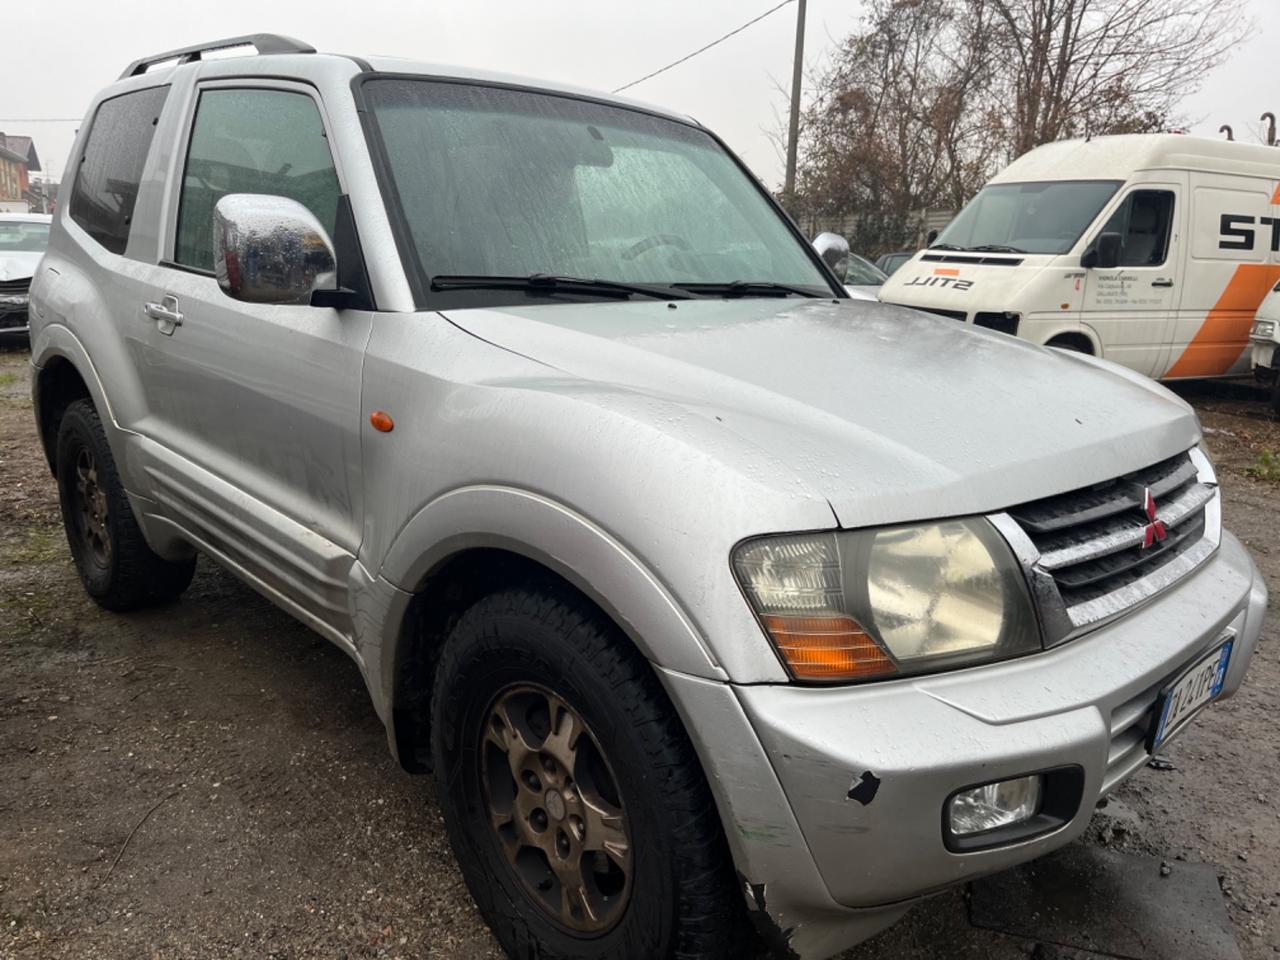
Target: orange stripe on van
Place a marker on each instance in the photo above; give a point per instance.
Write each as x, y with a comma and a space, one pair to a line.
946, 272
1275, 197
1225, 331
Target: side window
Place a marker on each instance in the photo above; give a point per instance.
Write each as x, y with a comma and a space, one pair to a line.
252, 141
110, 169
1143, 221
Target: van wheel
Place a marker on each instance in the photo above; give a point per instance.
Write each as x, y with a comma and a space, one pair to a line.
574, 802
118, 570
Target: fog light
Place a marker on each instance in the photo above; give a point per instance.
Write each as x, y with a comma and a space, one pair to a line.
995, 805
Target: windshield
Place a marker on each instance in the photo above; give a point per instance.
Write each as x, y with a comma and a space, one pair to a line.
861, 272
494, 182
23, 237
1044, 217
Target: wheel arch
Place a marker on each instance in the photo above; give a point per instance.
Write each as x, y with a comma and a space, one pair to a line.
63, 374
474, 541
1079, 339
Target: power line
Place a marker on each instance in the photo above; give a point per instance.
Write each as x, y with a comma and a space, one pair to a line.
713, 43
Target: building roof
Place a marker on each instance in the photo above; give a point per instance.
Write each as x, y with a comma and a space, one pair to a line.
22, 149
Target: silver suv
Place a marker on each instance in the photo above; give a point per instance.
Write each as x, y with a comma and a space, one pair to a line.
720, 604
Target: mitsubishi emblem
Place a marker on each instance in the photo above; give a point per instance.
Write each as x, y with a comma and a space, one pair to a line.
1155, 530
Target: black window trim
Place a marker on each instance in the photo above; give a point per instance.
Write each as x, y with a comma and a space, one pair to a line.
419, 283
264, 82
82, 144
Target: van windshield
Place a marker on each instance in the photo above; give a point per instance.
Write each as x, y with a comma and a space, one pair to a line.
493, 182
1046, 217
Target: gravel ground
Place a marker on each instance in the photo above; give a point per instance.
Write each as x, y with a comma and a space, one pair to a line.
209, 779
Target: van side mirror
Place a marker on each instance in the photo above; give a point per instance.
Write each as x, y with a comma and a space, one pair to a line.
1103, 253
269, 249
933, 235
834, 251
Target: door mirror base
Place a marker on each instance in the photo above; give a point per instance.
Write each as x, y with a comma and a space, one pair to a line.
1103, 253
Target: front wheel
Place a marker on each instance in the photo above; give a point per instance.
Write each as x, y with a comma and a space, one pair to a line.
576, 807
116, 566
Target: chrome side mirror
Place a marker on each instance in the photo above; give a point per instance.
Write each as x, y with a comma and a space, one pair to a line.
834, 251
269, 249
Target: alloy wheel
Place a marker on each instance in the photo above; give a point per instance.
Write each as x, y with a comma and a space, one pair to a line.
555, 807
91, 509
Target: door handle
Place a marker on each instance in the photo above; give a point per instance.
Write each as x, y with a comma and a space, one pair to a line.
1162, 283
165, 314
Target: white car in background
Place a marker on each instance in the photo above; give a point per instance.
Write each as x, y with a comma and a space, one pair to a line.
1263, 338
23, 238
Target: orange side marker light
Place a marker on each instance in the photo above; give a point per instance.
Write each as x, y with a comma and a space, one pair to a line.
382, 421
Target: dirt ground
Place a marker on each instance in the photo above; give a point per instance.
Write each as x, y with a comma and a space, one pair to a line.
209, 780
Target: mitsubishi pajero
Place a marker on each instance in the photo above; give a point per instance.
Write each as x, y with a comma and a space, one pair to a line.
721, 605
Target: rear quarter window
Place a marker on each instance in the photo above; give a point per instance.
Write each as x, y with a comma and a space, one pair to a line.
109, 169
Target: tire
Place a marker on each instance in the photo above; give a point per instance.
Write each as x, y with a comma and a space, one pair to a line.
116, 566
1275, 394
513, 654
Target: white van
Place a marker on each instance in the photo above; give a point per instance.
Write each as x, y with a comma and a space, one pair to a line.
1150, 250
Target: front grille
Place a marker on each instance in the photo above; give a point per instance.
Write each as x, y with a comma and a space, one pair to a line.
13, 315
985, 261
948, 314
1097, 546
13, 320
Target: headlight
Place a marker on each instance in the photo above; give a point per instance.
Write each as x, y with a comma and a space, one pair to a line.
862, 605
1264, 329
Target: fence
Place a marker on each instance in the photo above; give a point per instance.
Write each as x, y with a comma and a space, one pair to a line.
846, 226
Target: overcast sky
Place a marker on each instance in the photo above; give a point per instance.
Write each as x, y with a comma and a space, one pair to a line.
60, 52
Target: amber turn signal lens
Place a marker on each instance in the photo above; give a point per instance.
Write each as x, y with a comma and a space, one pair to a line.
827, 648
382, 422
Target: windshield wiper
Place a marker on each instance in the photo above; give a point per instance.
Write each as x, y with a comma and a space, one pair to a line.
747, 288
996, 248
545, 282
945, 246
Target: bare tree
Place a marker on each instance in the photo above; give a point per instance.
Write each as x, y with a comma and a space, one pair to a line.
929, 97
891, 128
1075, 67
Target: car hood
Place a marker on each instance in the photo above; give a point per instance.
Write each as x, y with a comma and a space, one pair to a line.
889, 414
18, 266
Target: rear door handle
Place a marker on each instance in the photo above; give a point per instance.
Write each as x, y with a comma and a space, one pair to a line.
1162, 283
166, 314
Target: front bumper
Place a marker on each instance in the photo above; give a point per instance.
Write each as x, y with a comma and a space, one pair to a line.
1262, 356
834, 870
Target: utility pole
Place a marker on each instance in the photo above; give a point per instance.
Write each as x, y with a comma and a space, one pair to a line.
793, 133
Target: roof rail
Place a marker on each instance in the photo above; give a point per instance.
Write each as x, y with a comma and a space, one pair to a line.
264, 42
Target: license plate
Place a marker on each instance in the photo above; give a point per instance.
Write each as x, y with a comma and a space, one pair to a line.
1181, 701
